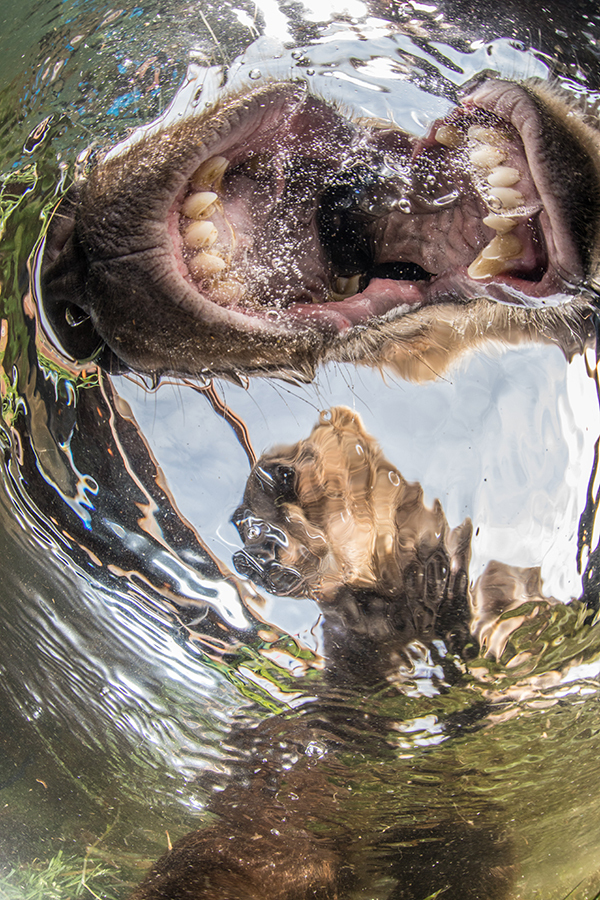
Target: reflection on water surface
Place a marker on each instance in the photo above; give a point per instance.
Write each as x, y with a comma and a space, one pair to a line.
152, 677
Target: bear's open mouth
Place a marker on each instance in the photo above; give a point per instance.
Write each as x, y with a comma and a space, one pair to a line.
271, 229
303, 211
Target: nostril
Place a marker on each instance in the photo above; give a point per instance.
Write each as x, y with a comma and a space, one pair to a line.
282, 580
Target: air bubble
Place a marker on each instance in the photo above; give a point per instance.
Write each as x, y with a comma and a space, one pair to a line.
404, 206
394, 478
315, 750
310, 71
325, 415
297, 54
254, 74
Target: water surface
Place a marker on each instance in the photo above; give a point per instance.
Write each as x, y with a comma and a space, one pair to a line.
132, 655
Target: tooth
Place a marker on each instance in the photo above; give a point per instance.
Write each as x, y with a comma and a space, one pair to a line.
210, 171
487, 157
487, 268
501, 224
503, 246
345, 287
505, 198
228, 293
200, 235
449, 136
503, 176
206, 265
197, 205
486, 135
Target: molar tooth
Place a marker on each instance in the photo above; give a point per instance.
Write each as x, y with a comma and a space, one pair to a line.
197, 205
501, 224
228, 293
211, 171
503, 246
503, 176
200, 235
486, 268
206, 265
505, 198
449, 136
486, 135
487, 157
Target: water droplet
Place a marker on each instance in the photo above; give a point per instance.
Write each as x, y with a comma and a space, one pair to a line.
255, 74
394, 478
314, 750
325, 415
359, 450
310, 71
296, 54
404, 206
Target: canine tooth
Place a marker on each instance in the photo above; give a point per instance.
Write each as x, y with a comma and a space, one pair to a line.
207, 265
501, 224
345, 287
449, 136
210, 171
503, 176
487, 157
196, 205
486, 268
503, 246
505, 198
200, 235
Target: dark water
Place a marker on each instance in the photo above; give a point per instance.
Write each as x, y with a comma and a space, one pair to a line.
131, 655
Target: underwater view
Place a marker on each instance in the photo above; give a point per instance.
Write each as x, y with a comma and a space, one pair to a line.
299, 546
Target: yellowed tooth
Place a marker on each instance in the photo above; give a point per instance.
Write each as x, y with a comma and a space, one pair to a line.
486, 135
487, 268
207, 265
197, 205
228, 293
200, 235
211, 171
505, 198
449, 136
501, 224
503, 176
503, 246
345, 287
487, 157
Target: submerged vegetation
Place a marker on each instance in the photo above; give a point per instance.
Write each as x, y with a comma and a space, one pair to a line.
66, 877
